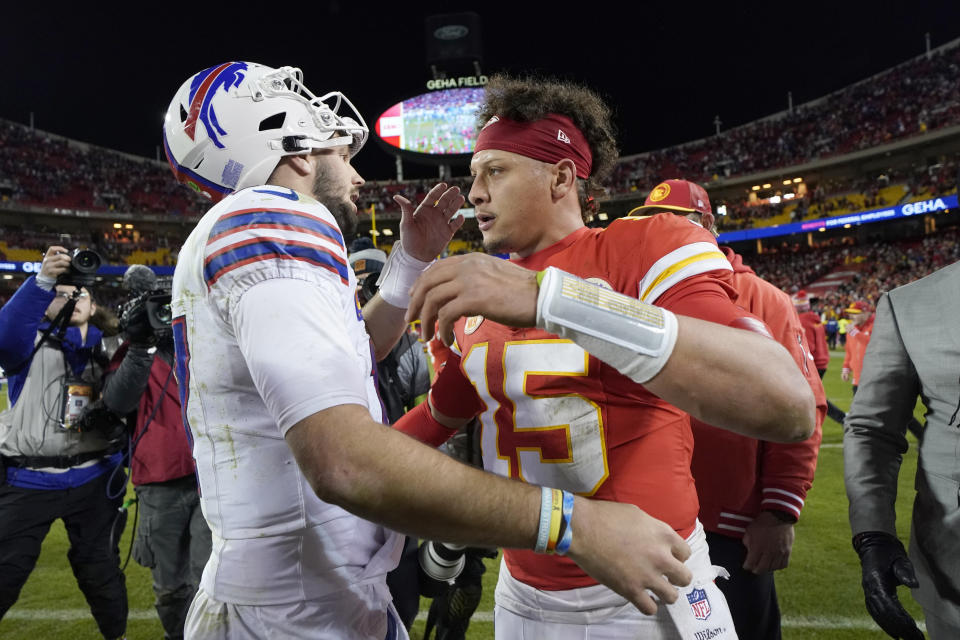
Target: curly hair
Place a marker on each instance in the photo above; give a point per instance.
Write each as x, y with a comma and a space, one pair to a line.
530, 98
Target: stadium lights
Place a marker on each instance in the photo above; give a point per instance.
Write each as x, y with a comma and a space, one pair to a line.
774, 199
755, 187
7, 276
117, 225
766, 186
822, 229
846, 226
388, 232
128, 226
601, 216
798, 179
786, 182
374, 232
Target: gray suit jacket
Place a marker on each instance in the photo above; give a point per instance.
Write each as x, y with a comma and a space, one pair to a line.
914, 351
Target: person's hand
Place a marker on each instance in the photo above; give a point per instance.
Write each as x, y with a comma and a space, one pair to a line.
769, 541
845, 374
469, 285
426, 230
136, 326
885, 565
629, 551
56, 261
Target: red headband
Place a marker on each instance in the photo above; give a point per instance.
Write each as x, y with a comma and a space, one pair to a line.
550, 140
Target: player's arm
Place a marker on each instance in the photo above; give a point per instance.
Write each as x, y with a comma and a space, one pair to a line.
451, 403
23, 313
424, 232
698, 366
305, 368
786, 470
379, 474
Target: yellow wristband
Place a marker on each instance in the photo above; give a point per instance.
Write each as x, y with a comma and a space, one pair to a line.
556, 515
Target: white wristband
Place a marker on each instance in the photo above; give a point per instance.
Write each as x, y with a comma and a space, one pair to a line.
398, 276
634, 337
44, 282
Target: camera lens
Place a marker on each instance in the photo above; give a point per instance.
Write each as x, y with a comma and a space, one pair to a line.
442, 561
165, 314
85, 261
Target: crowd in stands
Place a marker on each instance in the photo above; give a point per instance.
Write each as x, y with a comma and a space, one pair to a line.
380, 194
917, 96
49, 171
113, 245
832, 197
878, 266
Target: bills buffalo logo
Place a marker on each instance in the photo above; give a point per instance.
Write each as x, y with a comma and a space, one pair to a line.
699, 603
660, 192
203, 88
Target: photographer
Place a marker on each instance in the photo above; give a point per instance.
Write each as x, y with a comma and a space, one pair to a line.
173, 539
55, 465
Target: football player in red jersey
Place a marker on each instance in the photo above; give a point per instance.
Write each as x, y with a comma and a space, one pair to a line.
590, 391
751, 492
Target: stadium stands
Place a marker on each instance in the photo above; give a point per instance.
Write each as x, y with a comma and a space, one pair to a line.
42, 174
916, 97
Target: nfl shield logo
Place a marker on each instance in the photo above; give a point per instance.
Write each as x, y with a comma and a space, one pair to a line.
699, 603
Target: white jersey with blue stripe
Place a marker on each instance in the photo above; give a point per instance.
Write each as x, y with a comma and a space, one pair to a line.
268, 331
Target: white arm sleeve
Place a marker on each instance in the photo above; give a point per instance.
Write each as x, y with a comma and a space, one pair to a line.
631, 336
297, 348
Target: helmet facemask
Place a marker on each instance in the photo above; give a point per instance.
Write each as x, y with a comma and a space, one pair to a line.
287, 82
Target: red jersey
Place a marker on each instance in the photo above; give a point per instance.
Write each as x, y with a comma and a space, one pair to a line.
856, 348
816, 339
556, 416
737, 476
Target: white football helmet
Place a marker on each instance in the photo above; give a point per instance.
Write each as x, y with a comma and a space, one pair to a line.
228, 126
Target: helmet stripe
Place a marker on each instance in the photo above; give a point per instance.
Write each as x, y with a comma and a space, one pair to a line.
190, 126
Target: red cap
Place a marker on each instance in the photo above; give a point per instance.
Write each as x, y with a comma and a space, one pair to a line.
677, 195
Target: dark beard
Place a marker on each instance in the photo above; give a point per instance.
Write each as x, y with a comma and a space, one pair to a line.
343, 210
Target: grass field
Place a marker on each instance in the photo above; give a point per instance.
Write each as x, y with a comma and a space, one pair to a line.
820, 592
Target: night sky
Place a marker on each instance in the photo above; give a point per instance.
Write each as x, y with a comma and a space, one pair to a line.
667, 69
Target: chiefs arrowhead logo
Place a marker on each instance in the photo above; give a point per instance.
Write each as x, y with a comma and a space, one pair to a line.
660, 192
472, 324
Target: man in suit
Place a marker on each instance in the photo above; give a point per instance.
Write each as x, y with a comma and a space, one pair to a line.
914, 351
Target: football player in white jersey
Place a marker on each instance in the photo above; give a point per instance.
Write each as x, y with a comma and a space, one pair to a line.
275, 372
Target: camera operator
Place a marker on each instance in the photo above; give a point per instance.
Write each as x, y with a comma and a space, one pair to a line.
173, 539
57, 465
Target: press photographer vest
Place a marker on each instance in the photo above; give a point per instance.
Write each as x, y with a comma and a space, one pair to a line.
31, 427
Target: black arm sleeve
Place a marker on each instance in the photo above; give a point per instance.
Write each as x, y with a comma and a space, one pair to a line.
123, 387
